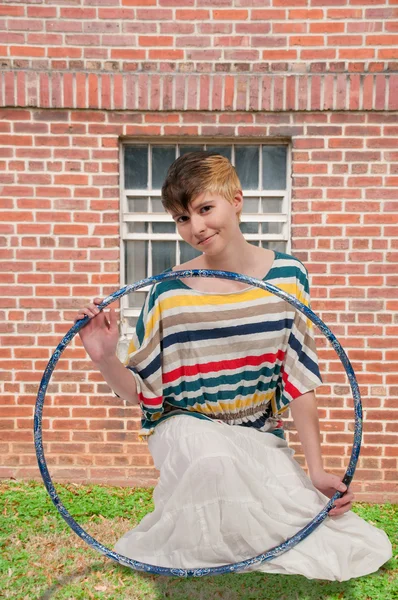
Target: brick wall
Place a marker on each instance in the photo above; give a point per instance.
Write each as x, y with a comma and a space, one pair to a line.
78, 78
200, 35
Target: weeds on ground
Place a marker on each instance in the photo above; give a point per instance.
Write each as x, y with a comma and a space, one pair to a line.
41, 558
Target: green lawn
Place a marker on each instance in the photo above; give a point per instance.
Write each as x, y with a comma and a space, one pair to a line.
41, 558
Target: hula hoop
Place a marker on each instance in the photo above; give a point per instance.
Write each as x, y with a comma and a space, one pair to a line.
229, 568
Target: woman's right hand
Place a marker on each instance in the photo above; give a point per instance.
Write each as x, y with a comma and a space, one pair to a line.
101, 334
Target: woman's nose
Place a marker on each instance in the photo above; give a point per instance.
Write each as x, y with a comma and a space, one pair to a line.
197, 224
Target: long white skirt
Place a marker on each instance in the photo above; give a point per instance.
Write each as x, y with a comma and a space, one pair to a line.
228, 493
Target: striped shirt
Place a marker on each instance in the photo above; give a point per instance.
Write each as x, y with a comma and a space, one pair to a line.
238, 357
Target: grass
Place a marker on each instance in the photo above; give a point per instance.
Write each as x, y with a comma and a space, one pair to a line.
42, 559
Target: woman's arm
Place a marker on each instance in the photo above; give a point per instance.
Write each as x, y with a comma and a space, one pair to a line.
119, 379
305, 416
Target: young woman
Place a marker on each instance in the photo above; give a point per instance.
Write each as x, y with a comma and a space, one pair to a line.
213, 364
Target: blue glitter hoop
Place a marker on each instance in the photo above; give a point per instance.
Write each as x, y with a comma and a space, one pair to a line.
198, 572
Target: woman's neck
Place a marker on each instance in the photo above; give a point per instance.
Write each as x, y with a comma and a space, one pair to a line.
240, 258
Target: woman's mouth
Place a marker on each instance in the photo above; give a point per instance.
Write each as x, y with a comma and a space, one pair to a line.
206, 240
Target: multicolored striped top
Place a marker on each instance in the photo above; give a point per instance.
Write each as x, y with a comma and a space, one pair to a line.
238, 357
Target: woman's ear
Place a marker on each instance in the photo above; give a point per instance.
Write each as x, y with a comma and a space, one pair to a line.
238, 201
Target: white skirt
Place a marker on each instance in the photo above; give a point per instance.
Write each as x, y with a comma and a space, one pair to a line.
228, 493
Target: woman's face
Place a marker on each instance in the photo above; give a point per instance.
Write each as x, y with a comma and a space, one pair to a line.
211, 222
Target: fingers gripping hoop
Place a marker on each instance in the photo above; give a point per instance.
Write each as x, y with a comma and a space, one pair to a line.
198, 572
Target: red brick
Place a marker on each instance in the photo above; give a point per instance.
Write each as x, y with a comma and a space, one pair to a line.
391, 53
185, 2
12, 11
166, 54
306, 40
289, 28
382, 40
304, 14
77, 13
280, 54
30, 51
192, 14
155, 40
324, 27
64, 52
139, 2
230, 15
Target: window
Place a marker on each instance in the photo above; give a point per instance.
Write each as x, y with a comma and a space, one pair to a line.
149, 241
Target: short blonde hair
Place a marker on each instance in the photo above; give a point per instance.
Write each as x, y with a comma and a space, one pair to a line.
196, 173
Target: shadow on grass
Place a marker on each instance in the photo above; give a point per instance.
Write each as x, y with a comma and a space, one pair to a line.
242, 586
253, 586
69, 579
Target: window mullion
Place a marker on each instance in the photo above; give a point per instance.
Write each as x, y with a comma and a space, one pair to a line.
150, 258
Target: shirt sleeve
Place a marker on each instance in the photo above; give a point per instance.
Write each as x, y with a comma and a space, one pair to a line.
300, 371
144, 358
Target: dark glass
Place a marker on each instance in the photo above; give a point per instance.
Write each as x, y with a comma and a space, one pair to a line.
279, 246
187, 252
136, 267
187, 149
271, 205
138, 227
162, 157
250, 206
163, 227
249, 227
247, 166
157, 206
223, 150
139, 205
271, 228
274, 167
163, 256
136, 167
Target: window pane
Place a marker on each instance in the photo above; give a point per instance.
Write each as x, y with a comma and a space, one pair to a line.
163, 228
223, 150
162, 157
247, 165
186, 149
123, 344
138, 227
157, 206
137, 205
250, 206
249, 227
274, 167
271, 228
187, 252
136, 262
279, 246
163, 256
271, 205
136, 167
136, 299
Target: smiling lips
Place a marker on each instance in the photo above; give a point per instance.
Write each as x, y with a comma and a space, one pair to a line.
205, 239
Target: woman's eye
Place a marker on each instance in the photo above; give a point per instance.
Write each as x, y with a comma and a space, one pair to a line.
206, 208
181, 219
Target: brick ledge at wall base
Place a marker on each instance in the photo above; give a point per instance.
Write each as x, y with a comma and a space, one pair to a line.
206, 92
198, 572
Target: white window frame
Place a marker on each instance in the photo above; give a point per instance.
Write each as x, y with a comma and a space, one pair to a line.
126, 217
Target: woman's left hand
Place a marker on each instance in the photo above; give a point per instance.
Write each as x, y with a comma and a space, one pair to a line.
329, 484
